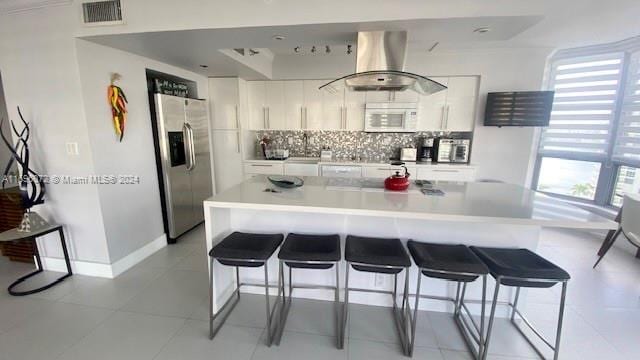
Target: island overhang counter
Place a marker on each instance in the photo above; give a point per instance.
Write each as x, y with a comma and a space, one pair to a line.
470, 213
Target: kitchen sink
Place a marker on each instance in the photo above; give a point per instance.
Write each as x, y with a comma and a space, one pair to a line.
303, 160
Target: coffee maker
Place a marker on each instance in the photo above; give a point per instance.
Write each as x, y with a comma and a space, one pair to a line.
426, 150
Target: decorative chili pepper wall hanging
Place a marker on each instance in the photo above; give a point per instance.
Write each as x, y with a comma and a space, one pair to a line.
118, 102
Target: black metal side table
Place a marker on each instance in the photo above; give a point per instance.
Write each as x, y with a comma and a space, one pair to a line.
15, 235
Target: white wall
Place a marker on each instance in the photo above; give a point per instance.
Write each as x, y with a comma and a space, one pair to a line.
5, 154
132, 213
501, 153
40, 74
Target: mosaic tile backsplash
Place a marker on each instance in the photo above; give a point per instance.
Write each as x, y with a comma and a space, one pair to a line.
350, 145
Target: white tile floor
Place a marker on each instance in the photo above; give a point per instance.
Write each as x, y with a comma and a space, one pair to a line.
158, 310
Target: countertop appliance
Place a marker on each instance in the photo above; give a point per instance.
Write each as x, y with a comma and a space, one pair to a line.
184, 165
452, 150
408, 154
380, 63
426, 150
398, 182
390, 117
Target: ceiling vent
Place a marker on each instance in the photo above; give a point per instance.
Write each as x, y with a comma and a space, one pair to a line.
102, 12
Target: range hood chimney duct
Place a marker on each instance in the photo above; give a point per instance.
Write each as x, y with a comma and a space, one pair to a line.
380, 64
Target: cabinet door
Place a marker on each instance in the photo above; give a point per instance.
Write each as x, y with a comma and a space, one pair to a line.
256, 95
407, 96
227, 159
378, 96
275, 105
461, 103
224, 103
354, 102
293, 104
313, 104
432, 108
333, 110
301, 169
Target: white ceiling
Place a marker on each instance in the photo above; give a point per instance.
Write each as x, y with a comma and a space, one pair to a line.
9, 6
191, 48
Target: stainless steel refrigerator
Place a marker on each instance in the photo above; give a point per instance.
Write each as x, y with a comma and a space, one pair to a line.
182, 127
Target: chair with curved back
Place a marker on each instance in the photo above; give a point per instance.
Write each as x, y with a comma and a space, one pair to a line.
629, 224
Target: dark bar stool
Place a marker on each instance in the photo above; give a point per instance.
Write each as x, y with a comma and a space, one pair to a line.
453, 263
382, 256
243, 250
523, 268
319, 252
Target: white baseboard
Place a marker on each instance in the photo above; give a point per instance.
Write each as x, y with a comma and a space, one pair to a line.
109, 271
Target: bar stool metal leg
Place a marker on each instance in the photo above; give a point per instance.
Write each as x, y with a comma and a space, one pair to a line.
491, 319
560, 320
414, 320
345, 309
337, 307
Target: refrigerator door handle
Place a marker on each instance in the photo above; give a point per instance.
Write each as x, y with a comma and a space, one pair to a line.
187, 147
192, 152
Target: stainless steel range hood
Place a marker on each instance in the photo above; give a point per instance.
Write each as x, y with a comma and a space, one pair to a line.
380, 67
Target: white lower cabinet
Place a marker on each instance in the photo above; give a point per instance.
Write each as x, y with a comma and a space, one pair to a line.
227, 158
382, 172
341, 171
263, 168
446, 173
294, 169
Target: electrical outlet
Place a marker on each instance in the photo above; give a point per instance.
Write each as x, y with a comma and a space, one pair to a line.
72, 148
290, 141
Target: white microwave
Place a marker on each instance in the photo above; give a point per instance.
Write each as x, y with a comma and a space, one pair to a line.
390, 117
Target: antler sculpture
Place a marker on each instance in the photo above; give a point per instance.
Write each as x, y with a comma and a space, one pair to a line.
32, 187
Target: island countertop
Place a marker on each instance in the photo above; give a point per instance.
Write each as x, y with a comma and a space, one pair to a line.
475, 202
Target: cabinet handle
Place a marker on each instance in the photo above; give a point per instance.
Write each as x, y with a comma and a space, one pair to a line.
264, 117
268, 117
306, 118
261, 165
344, 111
238, 140
448, 171
442, 117
301, 118
446, 121
237, 119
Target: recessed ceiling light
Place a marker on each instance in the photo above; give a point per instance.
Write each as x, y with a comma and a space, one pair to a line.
482, 30
204, 66
278, 37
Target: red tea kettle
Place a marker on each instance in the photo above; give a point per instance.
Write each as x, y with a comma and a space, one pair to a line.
398, 182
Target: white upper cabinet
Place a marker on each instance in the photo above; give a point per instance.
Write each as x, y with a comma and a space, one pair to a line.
293, 105
432, 108
225, 103
354, 102
407, 96
461, 103
452, 109
256, 94
313, 97
378, 96
332, 110
274, 105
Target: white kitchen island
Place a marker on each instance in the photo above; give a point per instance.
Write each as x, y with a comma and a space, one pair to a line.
470, 213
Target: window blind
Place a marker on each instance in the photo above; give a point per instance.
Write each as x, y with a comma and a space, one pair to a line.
627, 146
584, 106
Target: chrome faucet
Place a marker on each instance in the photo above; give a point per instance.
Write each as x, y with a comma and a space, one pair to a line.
305, 142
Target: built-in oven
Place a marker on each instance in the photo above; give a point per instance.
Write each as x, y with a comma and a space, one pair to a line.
390, 117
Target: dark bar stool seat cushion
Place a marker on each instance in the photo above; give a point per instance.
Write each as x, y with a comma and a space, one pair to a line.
377, 252
447, 257
256, 249
520, 263
298, 248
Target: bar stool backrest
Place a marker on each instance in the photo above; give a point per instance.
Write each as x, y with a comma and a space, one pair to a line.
630, 222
